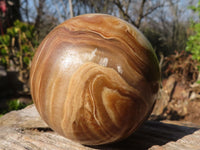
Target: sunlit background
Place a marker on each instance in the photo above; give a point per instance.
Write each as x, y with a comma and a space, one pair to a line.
172, 27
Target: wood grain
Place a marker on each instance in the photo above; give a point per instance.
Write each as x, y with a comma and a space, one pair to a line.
24, 129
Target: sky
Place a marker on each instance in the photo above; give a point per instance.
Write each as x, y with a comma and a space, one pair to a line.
54, 7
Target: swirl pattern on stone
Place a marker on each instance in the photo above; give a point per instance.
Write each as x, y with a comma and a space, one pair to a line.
94, 79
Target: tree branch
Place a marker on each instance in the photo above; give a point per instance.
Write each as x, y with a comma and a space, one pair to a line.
71, 8
140, 16
126, 16
152, 10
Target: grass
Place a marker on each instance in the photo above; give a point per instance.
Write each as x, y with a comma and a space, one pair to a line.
13, 105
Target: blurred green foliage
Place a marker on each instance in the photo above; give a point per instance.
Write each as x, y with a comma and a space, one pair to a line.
11, 105
193, 44
15, 105
17, 47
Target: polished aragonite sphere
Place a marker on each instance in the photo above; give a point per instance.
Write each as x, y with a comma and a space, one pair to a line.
94, 79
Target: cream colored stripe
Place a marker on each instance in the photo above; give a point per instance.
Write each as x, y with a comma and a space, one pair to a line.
33, 76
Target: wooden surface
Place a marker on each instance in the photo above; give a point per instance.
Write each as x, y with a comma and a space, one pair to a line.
24, 129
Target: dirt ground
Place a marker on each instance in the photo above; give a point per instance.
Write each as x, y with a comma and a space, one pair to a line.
178, 101
179, 96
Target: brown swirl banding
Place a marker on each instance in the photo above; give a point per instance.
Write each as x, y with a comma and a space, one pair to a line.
114, 28
94, 79
107, 108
